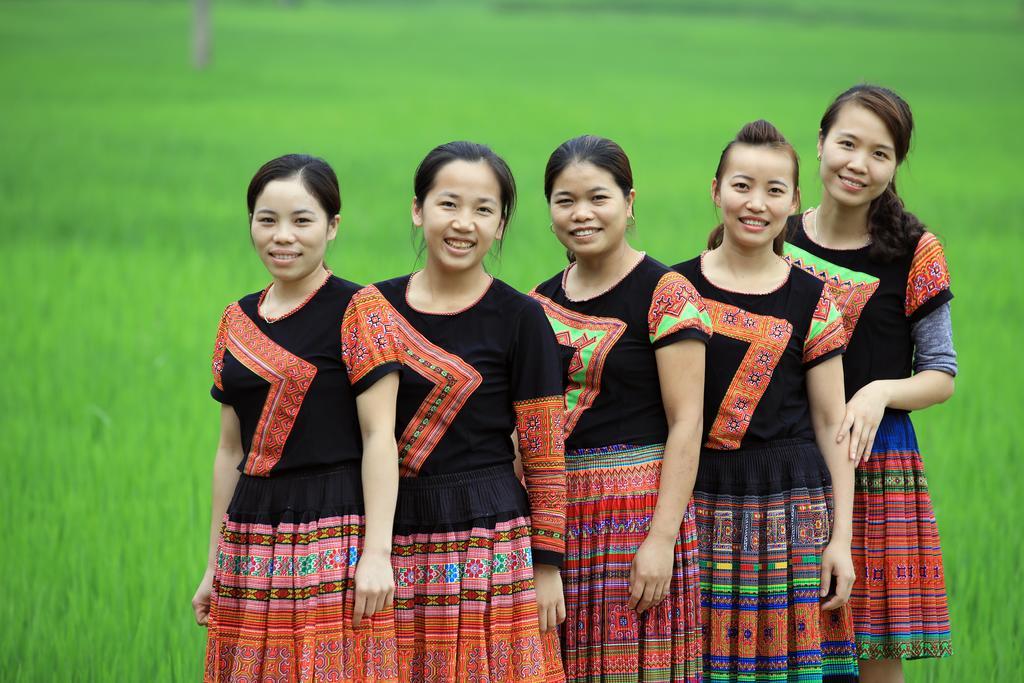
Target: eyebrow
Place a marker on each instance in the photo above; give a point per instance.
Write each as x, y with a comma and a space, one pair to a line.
449, 193
264, 209
746, 177
846, 134
598, 188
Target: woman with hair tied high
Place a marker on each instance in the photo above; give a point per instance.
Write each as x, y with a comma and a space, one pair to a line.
637, 332
889, 276
476, 553
774, 491
299, 583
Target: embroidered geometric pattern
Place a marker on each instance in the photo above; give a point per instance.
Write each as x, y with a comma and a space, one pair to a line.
929, 273
612, 495
288, 375
768, 337
466, 608
849, 289
294, 565
368, 334
283, 612
827, 331
281, 536
542, 448
593, 339
376, 333
454, 380
676, 305
760, 568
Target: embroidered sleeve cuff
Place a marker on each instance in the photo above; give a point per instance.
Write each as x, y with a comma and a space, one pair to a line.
676, 306
375, 375
370, 339
681, 334
922, 311
818, 360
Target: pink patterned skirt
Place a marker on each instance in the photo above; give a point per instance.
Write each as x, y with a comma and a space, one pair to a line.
283, 591
465, 605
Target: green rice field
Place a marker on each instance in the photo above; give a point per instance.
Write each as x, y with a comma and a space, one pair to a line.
122, 195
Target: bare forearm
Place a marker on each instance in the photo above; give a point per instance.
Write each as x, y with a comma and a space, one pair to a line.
678, 472
380, 490
841, 470
225, 478
681, 376
828, 415
919, 391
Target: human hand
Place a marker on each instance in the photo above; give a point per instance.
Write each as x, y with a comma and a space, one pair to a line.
863, 415
375, 585
650, 574
837, 568
201, 599
547, 583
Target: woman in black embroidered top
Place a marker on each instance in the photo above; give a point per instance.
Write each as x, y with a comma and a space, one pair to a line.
299, 583
773, 495
476, 552
889, 276
637, 332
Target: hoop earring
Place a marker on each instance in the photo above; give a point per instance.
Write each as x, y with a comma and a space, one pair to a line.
630, 223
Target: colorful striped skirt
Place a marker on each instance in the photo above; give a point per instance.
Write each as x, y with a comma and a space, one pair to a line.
899, 602
465, 605
612, 492
764, 516
282, 601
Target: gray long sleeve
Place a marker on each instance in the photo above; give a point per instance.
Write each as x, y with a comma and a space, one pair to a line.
933, 342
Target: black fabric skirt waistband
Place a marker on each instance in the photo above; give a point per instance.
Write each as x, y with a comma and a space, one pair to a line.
312, 493
458, 498
763, 469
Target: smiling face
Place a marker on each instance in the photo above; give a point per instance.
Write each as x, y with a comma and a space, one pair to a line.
460, 215
588, 210
290, 229
858, 158
756, 194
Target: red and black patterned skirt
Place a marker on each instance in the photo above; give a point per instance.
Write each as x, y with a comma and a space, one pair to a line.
612, 493
465, 605
282, 601
899, 602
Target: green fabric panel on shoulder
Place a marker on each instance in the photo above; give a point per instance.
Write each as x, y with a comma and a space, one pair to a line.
819, 325
817, 266
688, 314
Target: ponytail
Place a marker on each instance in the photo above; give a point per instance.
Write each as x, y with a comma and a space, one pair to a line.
894, 230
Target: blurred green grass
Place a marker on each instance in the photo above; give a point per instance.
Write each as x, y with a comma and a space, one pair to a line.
123, 193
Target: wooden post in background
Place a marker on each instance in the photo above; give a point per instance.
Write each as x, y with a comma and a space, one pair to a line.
201, 38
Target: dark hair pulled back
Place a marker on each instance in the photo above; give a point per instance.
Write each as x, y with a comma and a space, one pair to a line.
315, 174
758, 133
462, 150
601, 152
894, 231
